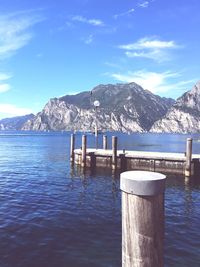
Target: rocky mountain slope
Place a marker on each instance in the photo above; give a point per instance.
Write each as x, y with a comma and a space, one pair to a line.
123, 107
183, 116
15, 123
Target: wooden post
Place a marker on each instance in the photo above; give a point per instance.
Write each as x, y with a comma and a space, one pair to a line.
72, 144
84, 147
92, 160
142, 218
105, 142
188, 162
122, 162
114, 152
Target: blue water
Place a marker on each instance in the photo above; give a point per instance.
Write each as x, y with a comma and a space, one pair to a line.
55, 216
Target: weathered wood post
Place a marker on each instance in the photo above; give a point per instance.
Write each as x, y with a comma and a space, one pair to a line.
122, 161
83, 154
114, 152
92, 160
72, 145
105, 142
142, 218
188, 162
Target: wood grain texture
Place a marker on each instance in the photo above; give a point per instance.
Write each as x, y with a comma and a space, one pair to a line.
142, 230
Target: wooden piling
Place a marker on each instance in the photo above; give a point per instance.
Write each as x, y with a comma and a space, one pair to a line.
122, 161
105, 142
142, 218
188, 162
72, 145
114, 152
83, 152
92, 160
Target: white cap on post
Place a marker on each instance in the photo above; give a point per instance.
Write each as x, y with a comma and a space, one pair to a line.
142, 183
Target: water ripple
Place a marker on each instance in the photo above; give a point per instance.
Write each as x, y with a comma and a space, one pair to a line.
52, 217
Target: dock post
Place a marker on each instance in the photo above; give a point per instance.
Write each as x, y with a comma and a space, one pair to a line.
105, 142
72, 145
92, 160
142, 218
114, 152
122, 161
84, 147
188, 162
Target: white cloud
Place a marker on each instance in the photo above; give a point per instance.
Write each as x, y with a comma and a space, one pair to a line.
156, 55
4, 76
149, 43
128, 12
89, 39
14, 32
9, 110
113, 65
150, 48
155, 82
93, 22
4, 86
144, 4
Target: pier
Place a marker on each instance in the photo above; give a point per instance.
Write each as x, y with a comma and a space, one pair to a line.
185, 163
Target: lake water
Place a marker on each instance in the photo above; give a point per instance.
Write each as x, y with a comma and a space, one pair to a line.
54, 216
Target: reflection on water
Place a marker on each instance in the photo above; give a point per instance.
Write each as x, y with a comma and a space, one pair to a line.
54, 215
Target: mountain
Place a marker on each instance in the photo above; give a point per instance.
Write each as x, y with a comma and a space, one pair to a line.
123, 107
183, 116
15, 123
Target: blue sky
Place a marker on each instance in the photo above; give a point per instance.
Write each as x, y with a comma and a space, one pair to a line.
53, 48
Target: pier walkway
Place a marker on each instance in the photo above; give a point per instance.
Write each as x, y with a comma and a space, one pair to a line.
182, 163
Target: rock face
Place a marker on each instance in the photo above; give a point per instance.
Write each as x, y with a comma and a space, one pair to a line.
183, 116
15, 123
123, 107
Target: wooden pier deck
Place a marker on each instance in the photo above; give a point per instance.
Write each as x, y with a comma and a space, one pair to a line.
136, 154
141, 160
180, 163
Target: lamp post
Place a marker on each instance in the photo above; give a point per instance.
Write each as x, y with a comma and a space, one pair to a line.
96, 105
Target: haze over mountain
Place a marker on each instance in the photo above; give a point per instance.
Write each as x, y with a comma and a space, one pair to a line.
15, 123
123, 107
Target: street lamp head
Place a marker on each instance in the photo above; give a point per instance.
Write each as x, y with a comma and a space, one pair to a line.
96, 103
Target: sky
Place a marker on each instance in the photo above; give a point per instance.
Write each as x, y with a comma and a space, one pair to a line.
52, 48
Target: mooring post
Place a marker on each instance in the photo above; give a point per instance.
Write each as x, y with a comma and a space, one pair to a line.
142, 218
188, 162
92, 160
122, 161
114, 152
105, 142
84, 147
72, 145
